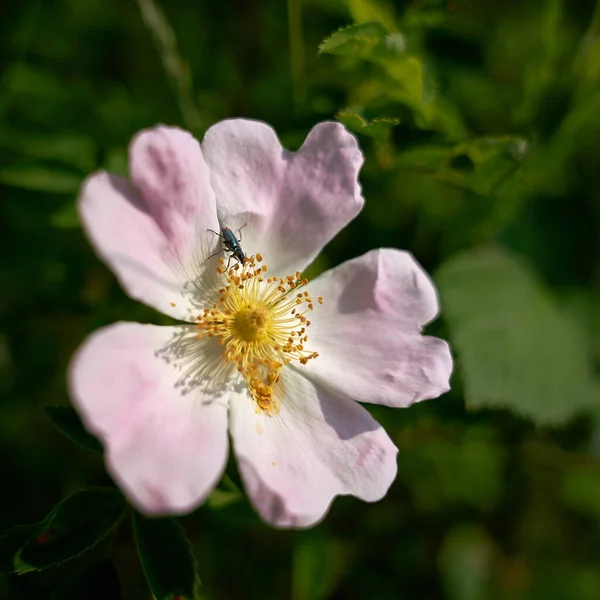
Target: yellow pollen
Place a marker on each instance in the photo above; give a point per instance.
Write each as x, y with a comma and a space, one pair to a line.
261, 326
250, 323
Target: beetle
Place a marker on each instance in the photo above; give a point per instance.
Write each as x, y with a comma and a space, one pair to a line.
231, 244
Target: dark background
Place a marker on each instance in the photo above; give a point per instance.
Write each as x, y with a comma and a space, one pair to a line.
480, 124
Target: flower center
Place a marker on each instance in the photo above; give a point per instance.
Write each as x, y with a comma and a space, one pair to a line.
262, 324
250, 323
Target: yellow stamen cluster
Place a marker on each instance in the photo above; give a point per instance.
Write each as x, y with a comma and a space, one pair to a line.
261, 322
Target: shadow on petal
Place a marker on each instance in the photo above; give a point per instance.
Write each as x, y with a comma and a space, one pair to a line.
200, 364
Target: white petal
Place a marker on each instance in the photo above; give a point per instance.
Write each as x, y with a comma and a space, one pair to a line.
368, 331
320, 445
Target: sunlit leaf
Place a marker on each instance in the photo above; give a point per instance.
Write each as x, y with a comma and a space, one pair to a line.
515, 348
68, 421
75, 525
409, 81
364, 11
378, 128
167, 558
357, 41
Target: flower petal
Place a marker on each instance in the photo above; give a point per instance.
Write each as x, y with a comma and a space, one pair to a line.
292, 203
153, 233
367, 331
319, 445
166, 448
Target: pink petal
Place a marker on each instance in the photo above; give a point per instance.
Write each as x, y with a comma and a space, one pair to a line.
319, 445
165, 445
292, 203
367, 332
153, 233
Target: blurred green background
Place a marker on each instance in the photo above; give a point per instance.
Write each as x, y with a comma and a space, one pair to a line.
480, 123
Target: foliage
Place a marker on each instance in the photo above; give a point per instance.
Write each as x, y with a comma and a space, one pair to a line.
167, 559
480, 125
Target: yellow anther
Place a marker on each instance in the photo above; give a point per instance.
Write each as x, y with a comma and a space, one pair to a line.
261, 325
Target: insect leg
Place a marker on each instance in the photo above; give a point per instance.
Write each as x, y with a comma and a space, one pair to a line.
219, 252
240, 231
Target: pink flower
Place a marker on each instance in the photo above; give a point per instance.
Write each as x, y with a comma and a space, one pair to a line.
277, 363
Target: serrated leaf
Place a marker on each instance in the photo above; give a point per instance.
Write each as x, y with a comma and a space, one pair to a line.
408, 80
357, 41
74, 525
378, 128
68, 421
515, 348
99, 582
167, 558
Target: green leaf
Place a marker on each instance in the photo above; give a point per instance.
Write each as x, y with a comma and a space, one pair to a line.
68, 421
318, 563
378, 128
466, 562
117, 162
409, 81
584, 306
226, 494
363, 11
578, 129
357, 41
488, 166
223, 498
167, 558
446, 467
73, 150
515, 348
65, 217
99, 582
13, 540
75, 525
581, 490
41, 179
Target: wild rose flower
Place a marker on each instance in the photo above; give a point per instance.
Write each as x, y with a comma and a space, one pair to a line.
277, 361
